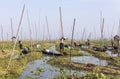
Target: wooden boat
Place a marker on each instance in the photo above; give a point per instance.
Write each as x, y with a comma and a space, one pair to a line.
110, 48
102, 49
52, 51
46, 51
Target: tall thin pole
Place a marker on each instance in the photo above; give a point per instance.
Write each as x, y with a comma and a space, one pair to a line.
39, 26
36, 31
29, 29
101, 22
48, 28
61, 22
21, 33
118, 32
112, 30
16, 36
43, 32
83, 34
11, 28
72, 40
102, 29
2, 32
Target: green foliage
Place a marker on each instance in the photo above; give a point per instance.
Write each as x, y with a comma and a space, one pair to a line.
96, 74
63, 73
40, 70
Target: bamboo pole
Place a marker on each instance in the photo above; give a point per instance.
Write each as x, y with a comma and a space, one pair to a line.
61, 22
12, 53
102, 31
2, 36
36, 32
118, 31
11, 29
112, 30
72, 39
39, 27
43, 32
101, 28
2, 32
21, 33
29, 29
83, 34
48, 28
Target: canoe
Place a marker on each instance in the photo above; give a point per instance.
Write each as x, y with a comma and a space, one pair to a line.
45, 51
102, 49
51, 51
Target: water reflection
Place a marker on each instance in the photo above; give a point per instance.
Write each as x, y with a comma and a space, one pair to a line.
49, 71
89, 59
110, 53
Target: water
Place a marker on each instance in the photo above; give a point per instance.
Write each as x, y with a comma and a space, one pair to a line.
49, 71
110, 53
89, 59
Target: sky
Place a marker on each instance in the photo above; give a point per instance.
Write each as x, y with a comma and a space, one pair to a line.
86, 13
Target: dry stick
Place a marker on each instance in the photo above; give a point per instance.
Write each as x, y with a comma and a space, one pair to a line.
48, 28
11, 28
72, 40
29, 29
61, 22
16, 36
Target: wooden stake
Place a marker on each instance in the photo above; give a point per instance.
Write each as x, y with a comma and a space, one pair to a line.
48, 28
29, 29
43, 32
2, 32
72, 39
12, 53
11, 28
61, 22
36, 31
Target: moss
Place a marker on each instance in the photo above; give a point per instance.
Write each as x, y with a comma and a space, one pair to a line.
17, 66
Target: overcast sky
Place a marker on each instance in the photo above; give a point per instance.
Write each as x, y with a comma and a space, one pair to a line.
86, 12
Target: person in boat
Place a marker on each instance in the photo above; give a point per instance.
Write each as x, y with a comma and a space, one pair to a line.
62, 45
26, 50
20, 44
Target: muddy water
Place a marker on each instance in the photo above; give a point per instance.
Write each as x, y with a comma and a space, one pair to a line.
89, 59
49, 71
